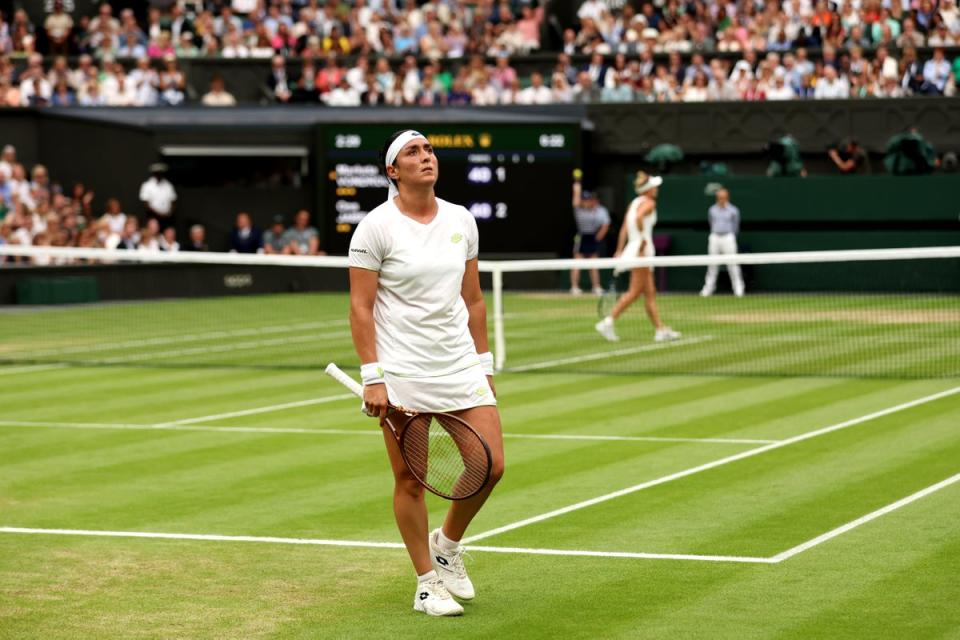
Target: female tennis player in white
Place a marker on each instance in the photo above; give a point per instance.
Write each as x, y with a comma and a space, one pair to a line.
419, 325
636, 239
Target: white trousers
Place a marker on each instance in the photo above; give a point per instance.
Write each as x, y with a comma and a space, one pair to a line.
725, 244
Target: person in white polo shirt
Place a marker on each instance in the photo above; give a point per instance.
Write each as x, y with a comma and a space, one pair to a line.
419, 325
158, 195
724, 227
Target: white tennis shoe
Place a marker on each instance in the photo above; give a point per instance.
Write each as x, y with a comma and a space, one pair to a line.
666, 334
433, 599
606, 329
449, 566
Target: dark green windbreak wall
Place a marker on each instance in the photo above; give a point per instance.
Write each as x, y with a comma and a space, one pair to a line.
868, 200
821, 213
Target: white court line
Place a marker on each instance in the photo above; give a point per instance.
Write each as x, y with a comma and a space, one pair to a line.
7, 371
564, 436
711, 465
164, 340
600, 355
265, 409
173, 426
873, 515
224, 347
376, 545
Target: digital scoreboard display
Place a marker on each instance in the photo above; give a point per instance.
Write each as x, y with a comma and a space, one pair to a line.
515, 179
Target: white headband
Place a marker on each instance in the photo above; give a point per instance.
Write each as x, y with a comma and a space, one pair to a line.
394, 150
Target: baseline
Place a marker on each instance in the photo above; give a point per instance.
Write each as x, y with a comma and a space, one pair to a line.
377, 545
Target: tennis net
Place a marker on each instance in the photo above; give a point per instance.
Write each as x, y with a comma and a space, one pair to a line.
877, 313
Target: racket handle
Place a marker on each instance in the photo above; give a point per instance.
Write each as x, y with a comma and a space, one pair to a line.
337, 374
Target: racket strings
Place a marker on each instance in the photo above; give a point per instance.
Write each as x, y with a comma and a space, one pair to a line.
446, 455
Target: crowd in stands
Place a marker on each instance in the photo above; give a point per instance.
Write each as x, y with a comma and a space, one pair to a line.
640, 51
38, 211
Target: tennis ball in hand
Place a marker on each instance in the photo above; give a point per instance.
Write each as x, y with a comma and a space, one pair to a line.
577, 174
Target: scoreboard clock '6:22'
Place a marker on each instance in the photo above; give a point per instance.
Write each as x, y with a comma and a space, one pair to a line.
514, 178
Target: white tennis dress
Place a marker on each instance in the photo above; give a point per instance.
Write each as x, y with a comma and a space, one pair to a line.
638, 229
423, 342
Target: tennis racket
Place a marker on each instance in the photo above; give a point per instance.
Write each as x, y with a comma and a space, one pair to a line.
443, 452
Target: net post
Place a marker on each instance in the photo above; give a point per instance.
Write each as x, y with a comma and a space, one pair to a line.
499, 343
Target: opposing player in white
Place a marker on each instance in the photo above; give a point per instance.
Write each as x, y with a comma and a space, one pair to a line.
419, 326
636, 239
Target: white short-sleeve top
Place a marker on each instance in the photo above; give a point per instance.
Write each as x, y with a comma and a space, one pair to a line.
419, 314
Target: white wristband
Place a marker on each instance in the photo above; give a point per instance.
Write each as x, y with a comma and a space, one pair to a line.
486, 361
371, 373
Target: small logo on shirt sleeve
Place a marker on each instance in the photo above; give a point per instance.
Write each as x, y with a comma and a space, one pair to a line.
455, 238
358, 251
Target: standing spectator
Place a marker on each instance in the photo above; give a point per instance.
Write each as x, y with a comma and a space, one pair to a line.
724, 227
849, 157
273, 238
58, 26
593, 222
218, 96
302, 239
197, 240
246, 238
158, 195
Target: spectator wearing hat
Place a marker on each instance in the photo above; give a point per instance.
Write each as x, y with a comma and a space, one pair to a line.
593, 222
158, 196
246, 238
273, 237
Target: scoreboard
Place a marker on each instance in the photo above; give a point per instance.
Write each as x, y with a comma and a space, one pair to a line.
515, 179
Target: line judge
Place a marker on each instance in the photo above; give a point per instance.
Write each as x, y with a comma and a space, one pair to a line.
724, 227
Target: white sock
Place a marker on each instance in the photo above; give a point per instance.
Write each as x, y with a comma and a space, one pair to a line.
429, 575
446, 543
608, 321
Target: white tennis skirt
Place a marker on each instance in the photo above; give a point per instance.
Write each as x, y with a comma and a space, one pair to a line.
452, 392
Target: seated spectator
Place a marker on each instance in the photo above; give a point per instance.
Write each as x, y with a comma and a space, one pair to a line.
937, 70
278, 82
168, 240
849, 157
831, 85
586, 91
536, 93
150, 237
343, 95
302, 239
197, 240
246, 238
129, 238
114, 218
218, 96
172, 83
623, 92
273, 238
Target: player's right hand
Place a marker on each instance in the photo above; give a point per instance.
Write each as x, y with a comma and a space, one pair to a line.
375, 400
